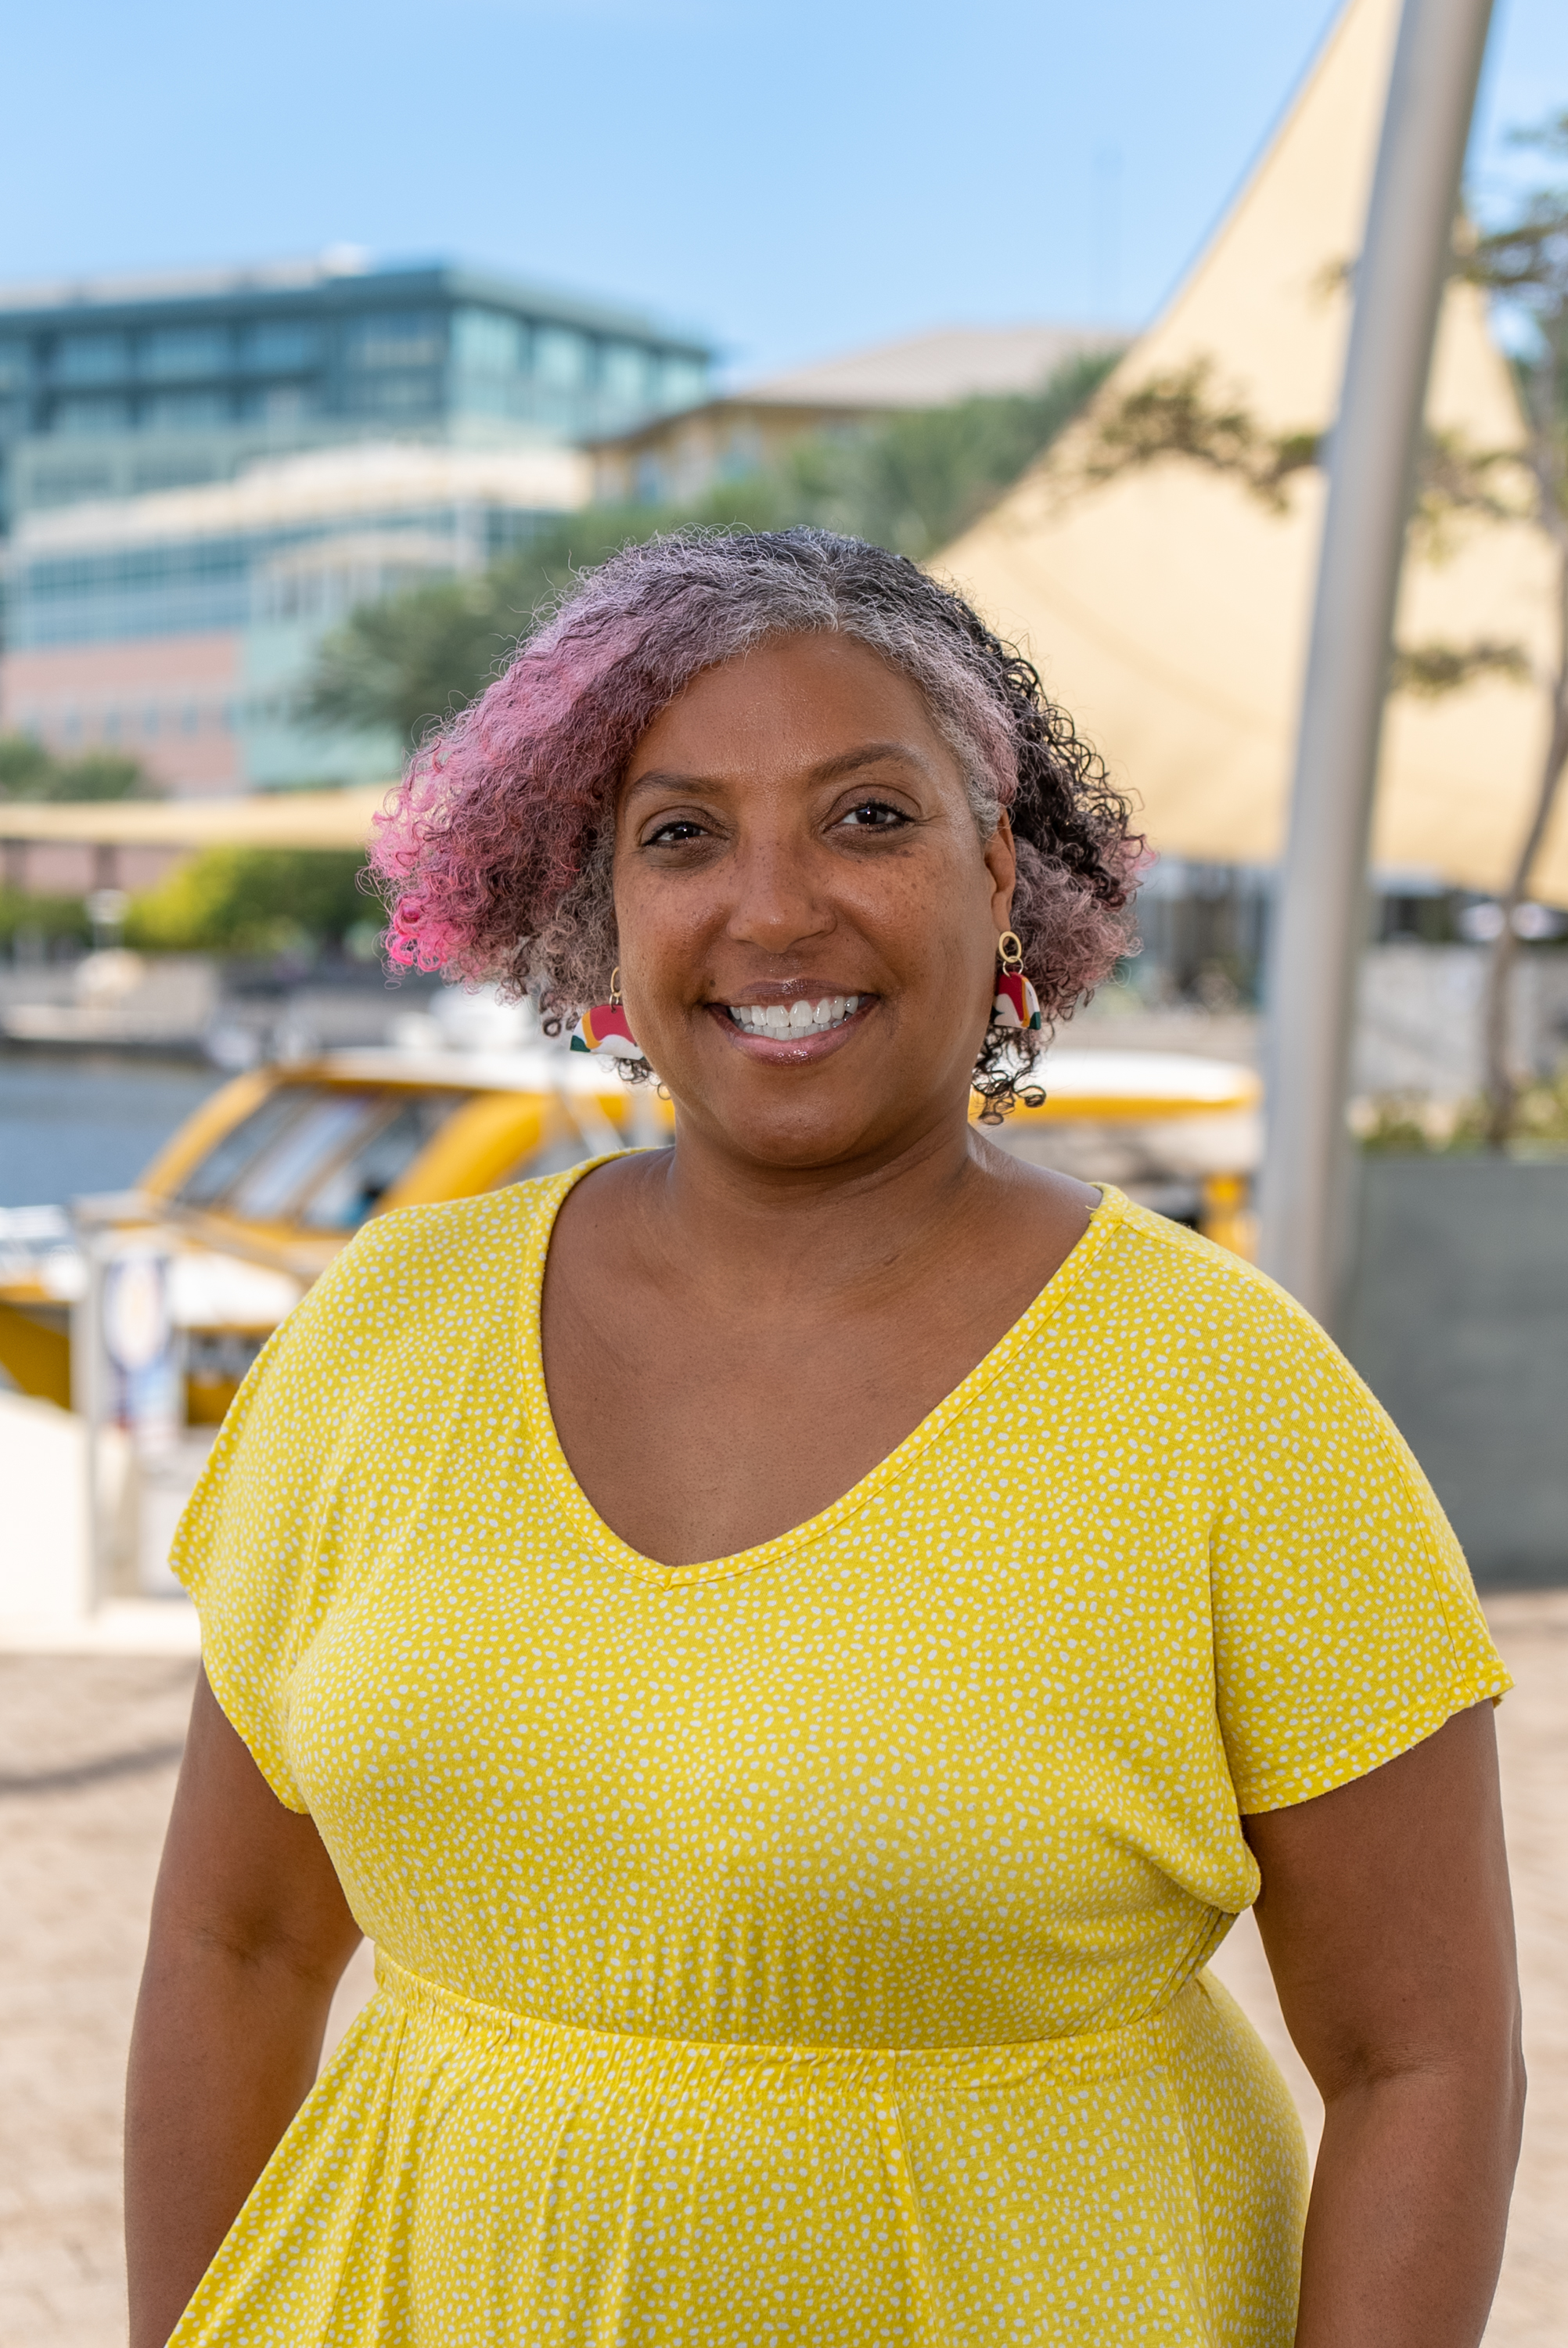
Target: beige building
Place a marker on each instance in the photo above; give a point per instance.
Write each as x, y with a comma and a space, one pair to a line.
677, 458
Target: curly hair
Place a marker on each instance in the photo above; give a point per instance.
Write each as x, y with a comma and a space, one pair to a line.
495, 852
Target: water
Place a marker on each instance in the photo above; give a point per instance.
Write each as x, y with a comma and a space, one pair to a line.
76, 1122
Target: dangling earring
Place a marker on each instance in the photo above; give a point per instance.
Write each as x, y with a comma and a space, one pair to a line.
604, 1028
1017, 1004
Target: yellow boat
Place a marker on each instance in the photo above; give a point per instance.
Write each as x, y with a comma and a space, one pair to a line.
271, 1176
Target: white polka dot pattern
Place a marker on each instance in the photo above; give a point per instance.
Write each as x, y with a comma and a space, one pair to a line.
805, 1947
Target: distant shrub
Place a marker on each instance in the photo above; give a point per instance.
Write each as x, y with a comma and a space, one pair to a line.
250, 900
45, 919
28, 771
1417, 1125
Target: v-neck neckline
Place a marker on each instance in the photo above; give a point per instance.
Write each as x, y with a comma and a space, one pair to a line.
591, 1527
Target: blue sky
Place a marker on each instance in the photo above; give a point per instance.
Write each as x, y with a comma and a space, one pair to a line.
795, 176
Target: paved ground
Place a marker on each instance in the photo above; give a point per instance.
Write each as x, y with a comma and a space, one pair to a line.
87, 1746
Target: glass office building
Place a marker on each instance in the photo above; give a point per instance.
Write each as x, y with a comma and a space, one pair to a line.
122, 386
180, 626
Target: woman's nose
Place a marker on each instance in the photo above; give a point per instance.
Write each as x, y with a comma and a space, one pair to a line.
776, 905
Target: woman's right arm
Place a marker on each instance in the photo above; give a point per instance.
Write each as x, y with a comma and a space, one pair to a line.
249, 1936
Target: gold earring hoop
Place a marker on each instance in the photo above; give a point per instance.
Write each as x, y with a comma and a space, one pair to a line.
1010, 948
615, 983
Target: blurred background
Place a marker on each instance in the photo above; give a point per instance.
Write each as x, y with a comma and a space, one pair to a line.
331, 343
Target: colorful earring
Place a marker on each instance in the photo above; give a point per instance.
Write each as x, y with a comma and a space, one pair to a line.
604, 1028
1017, 1004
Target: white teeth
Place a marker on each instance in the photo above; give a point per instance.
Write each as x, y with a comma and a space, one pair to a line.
799, 1019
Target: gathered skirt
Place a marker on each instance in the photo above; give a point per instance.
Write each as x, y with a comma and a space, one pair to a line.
463, 2177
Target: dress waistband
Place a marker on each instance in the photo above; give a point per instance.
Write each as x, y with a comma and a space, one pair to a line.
1103, 2053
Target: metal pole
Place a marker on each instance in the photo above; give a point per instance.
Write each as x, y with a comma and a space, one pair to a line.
1321, 914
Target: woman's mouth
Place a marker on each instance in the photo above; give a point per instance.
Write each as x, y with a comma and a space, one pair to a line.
784, 1023
803, 1029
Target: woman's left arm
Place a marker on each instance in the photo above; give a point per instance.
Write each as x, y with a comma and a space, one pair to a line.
1386, 1915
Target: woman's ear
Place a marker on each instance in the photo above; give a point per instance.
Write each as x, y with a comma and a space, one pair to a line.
1001, 863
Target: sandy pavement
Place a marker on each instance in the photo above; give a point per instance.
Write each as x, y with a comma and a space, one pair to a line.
87, 1752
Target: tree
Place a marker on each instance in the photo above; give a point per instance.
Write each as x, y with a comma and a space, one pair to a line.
911, 483
921, 479
1524, 262
28, 771
251, 900
1182, 415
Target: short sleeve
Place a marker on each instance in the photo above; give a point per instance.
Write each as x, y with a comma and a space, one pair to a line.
1346, 1624
250, 1546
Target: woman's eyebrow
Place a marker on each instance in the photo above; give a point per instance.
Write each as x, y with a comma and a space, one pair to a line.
870, 754
845, 762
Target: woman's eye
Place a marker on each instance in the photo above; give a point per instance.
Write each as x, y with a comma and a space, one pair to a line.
675, 834
875, 815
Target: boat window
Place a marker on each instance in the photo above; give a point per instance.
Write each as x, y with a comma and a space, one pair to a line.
307, 1146
357, 1182
320, 1155
243, 1144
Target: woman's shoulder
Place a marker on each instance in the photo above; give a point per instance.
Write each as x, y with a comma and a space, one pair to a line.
448, 1245
1205, 1317
1175, 1270
414, 1285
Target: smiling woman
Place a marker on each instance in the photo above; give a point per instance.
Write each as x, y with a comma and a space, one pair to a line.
500, 851
796, 1647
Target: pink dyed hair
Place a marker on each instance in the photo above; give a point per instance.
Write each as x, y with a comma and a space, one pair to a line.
496, 851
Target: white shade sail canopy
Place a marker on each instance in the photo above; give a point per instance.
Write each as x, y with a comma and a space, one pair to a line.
1167, 607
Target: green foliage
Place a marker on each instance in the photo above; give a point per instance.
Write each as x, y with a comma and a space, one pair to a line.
1432, 669
28, 771
42, 918
921, 480
1416, 1125
911, 483
250, 900
1178, 414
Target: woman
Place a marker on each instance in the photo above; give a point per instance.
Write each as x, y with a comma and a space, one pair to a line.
796, 1647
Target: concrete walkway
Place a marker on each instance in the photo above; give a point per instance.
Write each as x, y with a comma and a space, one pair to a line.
87, 1750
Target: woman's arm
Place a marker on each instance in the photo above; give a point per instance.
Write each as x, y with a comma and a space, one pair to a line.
251, 1932
1386, 1917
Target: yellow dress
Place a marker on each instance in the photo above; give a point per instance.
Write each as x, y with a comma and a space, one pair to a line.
804, 1950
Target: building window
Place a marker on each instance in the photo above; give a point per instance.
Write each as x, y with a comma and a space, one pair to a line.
173, 472
184, 350
623, 372
184, 411
280, 345
560, 358
487, 342
683, 382
277, 402
395, 339
62, 488
396, 395
91, 416
743, 452
91, 358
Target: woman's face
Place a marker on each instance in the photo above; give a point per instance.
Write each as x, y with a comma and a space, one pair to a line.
795, 844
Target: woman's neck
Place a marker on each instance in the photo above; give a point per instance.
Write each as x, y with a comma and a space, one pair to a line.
861, 1226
